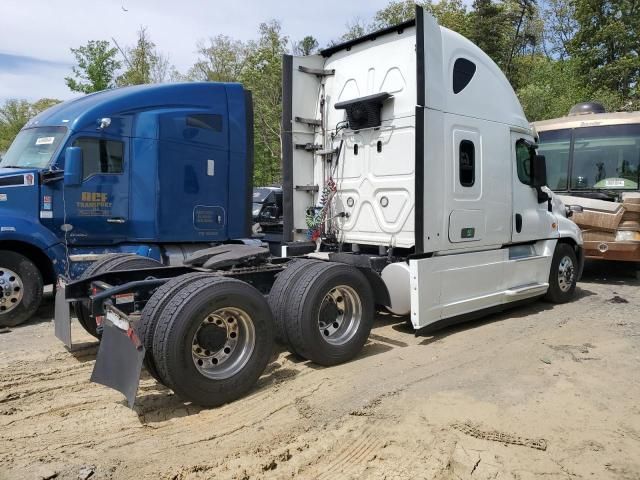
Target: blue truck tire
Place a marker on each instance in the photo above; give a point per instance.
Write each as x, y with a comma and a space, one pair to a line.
21, 288
112, 262
213, 340
146, 326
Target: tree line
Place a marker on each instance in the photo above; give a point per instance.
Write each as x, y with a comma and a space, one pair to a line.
555, 53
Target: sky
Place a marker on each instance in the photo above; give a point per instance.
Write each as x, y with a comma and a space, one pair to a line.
36, 35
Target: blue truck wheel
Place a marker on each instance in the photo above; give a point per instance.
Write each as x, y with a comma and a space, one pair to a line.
213, 340
20, 288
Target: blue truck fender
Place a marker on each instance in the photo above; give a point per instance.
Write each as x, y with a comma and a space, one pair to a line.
36, 242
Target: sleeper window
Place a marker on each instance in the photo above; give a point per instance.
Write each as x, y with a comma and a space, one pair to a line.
467, 163
100, 156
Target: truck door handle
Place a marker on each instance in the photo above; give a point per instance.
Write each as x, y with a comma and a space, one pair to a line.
518, 222
116, 220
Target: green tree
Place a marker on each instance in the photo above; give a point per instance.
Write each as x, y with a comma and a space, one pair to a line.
606, 46
355, 28
307, 46
220, 59
262, 74
489, 29
559, 27
451, 14
96, 67
396, 12
14, 114
145, 64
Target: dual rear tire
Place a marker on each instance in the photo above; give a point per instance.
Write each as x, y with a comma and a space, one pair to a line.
327, 311
207, 338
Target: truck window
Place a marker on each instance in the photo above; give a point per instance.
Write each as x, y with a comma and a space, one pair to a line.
463, 72
100, 156
467, 163
523, 162
205, 121
555, 145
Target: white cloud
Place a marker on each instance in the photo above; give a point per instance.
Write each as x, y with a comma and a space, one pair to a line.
46, 30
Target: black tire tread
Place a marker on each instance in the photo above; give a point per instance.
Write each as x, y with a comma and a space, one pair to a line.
554, 294
280, 291
294, 312
167, 321
146, 326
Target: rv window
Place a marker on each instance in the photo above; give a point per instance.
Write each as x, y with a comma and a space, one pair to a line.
467, 163
463, 72
555, 145
100, 156
523, 161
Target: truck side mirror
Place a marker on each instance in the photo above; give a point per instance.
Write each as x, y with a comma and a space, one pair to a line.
73, 166
538, 171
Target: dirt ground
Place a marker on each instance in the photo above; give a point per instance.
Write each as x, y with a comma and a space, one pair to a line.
541, 391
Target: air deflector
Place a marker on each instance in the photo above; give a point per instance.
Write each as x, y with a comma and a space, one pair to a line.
364, 112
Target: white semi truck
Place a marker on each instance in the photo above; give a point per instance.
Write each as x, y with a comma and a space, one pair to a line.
411, 182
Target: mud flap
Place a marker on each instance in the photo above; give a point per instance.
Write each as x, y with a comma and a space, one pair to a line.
119, 361
62, 316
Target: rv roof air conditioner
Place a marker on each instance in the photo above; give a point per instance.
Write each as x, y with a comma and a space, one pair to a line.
364, 112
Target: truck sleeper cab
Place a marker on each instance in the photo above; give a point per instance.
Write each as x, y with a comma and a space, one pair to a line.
407, 185
141, 170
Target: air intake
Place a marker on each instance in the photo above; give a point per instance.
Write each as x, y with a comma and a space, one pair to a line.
364, 112
586, 108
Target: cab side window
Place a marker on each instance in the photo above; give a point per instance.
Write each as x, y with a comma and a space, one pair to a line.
523, 162
100, 156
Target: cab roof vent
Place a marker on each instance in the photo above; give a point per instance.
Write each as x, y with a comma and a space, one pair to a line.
586, 108
364, 112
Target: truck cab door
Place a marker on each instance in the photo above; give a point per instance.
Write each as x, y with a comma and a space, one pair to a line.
531, 219
96, 212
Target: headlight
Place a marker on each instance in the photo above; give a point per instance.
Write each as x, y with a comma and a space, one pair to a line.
627, 236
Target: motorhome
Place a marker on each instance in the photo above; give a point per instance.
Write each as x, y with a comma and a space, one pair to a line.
593, 161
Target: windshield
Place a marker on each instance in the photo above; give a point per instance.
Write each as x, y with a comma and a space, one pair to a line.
604, 158
260, 194
256, 208
33, 148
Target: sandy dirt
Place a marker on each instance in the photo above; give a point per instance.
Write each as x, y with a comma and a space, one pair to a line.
541, 391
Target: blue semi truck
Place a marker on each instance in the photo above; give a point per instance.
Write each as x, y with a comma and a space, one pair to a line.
114, 173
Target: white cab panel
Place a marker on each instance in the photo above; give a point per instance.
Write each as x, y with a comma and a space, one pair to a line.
451, 285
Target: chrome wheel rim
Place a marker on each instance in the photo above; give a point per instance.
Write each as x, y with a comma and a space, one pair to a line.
340, 315
11, 290
566, 273
223, 343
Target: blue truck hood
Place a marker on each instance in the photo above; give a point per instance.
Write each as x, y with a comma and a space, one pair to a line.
19, 194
